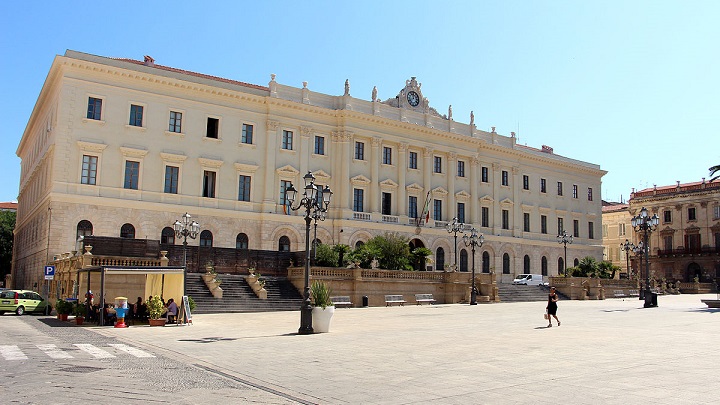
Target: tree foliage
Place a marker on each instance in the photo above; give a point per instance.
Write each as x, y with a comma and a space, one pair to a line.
325, 255
391, 250
7, 225
589, 267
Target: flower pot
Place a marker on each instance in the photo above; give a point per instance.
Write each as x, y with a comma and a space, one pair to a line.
62, 317
157, 322
79, 320
321, 319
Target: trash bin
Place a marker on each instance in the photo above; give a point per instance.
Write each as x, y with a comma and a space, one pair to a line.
654, 299
366, 301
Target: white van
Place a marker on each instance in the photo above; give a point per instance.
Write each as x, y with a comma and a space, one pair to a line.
529, 279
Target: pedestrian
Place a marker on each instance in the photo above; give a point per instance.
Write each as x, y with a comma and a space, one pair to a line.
552, 307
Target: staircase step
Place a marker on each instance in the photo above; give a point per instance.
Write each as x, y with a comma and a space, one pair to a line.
238, 296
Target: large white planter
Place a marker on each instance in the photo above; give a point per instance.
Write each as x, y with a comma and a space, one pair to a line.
321, 319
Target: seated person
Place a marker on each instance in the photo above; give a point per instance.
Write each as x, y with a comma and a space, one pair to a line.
110, 314
172, 311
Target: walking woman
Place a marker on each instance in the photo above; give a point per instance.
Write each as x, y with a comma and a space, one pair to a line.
552, 307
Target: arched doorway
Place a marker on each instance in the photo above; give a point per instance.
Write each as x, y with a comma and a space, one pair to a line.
486, 262
463, 260
414, 244
440, 259
694, 270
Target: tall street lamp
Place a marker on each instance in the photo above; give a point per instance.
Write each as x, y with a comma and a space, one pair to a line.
475, 241
564, 239
316, 201
646, 224
638, 250
455, 227
627, 247
183, 229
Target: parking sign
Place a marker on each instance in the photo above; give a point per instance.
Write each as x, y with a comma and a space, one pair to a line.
49, 272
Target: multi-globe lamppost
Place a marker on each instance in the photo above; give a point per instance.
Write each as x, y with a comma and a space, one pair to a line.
316, 201
564, 239
627, 246
475, 241
646, 224
455, 227
184, 228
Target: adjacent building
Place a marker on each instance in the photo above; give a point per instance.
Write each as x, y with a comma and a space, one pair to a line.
122, 147
616, 229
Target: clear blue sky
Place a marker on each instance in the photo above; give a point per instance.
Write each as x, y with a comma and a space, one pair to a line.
630, 85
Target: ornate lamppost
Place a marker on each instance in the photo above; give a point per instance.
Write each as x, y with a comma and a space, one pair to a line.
183, 229
475, 241
316, 201
564, 239
455, 227
646, 224
627, 246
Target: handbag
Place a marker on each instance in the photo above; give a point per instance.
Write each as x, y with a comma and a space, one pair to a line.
546, 316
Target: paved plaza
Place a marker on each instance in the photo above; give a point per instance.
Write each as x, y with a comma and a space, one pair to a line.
611, 351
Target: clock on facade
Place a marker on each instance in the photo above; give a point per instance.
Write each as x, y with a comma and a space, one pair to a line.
413, 99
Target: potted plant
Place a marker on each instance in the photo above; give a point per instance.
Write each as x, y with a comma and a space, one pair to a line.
63, 309
79, 310
156, 309
323, 309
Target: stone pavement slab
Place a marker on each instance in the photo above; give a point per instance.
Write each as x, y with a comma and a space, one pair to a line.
611, 351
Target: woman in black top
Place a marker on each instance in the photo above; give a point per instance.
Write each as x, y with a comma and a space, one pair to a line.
552, 307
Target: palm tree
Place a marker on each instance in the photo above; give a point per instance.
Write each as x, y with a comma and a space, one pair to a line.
713, 170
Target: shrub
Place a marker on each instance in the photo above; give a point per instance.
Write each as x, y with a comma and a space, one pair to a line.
325, 255
155, 307
63, 307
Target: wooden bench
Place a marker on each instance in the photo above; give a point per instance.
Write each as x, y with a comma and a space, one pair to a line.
341, 301
420, 298
619, 294
394, 299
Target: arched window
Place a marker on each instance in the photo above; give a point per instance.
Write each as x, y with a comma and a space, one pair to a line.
463, 260
506, 263
486, 262
561, 267
241, 241
284, 244
358, 244
206, 238
316, 242
84, 228
167, 236
543, 266
526, 264
440, 259
576, 262
127, 231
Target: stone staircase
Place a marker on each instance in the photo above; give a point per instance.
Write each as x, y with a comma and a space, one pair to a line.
522, 293
239, 297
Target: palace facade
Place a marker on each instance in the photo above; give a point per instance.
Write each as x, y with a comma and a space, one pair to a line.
122, 147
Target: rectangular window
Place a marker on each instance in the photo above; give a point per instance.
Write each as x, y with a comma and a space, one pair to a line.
668, 242
412, 207
412, 162
209, 184
175, 122
136, 115
94, 111
691, 214
716, 210
526, 222
213, 128
437, 167
561, 226
287, 140
559, 188
437, 210
358, 195
89, 170
319, 145
461, 168
387, 155
461, 212
132, 174
247, 134
591, 230
667, 216
360, 150
485, 177
693, 242
526, 182
621, 229
386, 204
543, 224
505, 178
576, 228
575, 191
485, 217
605, 230
543, 186
284, 185
505, 219
171, 179
590, 197
244, 188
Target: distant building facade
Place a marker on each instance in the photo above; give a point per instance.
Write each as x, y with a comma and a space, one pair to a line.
121, 147
8, 206
616, 229
686, 243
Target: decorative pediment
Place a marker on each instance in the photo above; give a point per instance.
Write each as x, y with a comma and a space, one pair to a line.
439, 192
486, 199
507, 202
667, 231
360, 180
527, 207
321, 176
172, 157
415, 188
544, 210
133, 152
287, 171
211, 163
91, 146
692, 229
245, 168
462, 196
388, 184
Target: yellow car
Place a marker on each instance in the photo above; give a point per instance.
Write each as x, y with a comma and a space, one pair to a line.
22, 301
